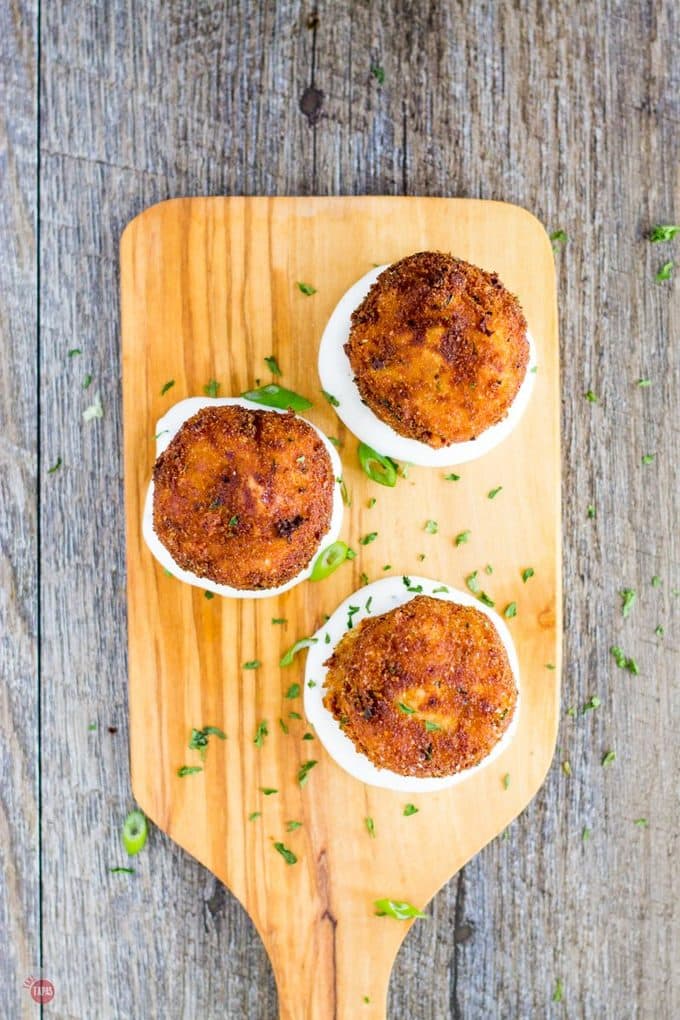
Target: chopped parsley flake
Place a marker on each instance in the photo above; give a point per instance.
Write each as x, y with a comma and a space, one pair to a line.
442, 587
550, 665
87, 382
591, 511
641, 823
526, 574
648, 458
208, 595
566, 768
431, 527
663, 232
273, 365
557, 238
367, 539
211, 388
472, 581
261, 732
252, 664
608, 757
452, 478
624, 661
486, 599
378, 73
370, 827
55, 467
665, 272
306, 288
658, 630
279, 619
288, 855
292, 826
253, 815
462, 537
643, 383
506, 781
351, 613
406, 708
293, 691
488, 569
586, 834
510, 610
74, 351
304, 770
333, 401
284, 726
431, 727
167, 386
188, 770
268, 790
591, 704
294, 715
199, 738
558, 993
122, 871
592, 397
308, 736
371, 503
363, 577
410, 809
492, 493
656, 581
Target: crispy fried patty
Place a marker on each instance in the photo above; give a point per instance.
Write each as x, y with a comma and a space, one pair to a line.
243, 497
425, 689
438, 348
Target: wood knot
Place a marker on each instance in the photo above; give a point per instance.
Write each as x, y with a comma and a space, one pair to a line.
311, 103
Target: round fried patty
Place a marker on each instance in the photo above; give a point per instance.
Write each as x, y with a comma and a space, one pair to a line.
438, 348
423, 690
243, 497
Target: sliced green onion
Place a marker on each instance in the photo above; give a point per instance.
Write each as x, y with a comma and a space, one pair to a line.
287, 657
397, 909
328, 561
278, 396
379, 469
135, 831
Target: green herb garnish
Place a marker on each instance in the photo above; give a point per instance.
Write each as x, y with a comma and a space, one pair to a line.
199, 738
55, 467
591, 704
292, 826
167, 386
462, 537
122, 871
592, 397
558, 994
406, 708
288, 855
252, 664
451, 478
253, 815
431, 727
370, 827
268, 790
292, 692
643, 383
510, 610
557, 238
273, 365
648, 458
73, 352
431, 527
608, 757
279, 619
211, 388
665, 272
494, 492
306, 288
378, 468
261, 732
410, 809
566, 768
663, 232
367, 539
208, 595
87, 382
591, 511
378, 73
472, 581
526, 574
304, 770
641, 823
628, 596
283, 726
333, 401
188, 770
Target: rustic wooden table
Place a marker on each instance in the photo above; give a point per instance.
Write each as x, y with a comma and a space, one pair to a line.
569, 109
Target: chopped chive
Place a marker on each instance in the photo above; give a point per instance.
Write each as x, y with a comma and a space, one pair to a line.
506, 781
122, 871
510, 610
431, 727
55, 467
167, 386
370, 827
279, 619
608, 757
591, 704
665, 272
293, 691
557, 238
643, 383
586, 833
641, 823
333, 401
550, 665
253, 815
452, 478
486, 599
492, 493
87, 382
268, 790
526, 574
294, 715
367, 539
292, 826
252, 664
406, 708
188, 770
656, 581
284, 726
410, 809
591, 511
363, 577
304, 770
74, 351
648, 458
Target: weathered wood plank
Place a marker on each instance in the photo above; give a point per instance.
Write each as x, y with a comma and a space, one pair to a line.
569, 109
19, 751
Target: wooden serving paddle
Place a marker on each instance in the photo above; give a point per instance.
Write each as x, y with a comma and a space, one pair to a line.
210, 287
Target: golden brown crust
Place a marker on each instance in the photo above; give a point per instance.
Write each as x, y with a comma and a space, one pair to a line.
438, 348
243, 497
445, 662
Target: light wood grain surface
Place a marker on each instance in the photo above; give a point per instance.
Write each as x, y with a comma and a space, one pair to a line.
208, 290
568, 109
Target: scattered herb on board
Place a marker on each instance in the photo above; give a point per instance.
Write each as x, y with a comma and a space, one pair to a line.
431, 727
665, 271
663, 232
628, 596
305, 288
252, 664
648, 458
486, 599
406, 709
591, 511
279, 619
284, 726
608, 758
199, 738
416, 588
268, 790
188, 770
527, 573
292, 826
586, 833
557, 238
492, 493
73, 352
304, 770
398, 909
167, 386
370, 827
462, 537
333, 401
87, 382
592, 397
55, 466
367, 539
656, 581
431, 527
472, 581
591, 704
558, 993
410, 809
211, 388
261, 732
293, 691
122, 871
294, 715
378, 73
566, 768
308, 736
253, 815
288, 855
510, 610
658, 630
208, 595
624, 661
506, 781
452, 477
442, 587
644, 383
641, 823
273, 365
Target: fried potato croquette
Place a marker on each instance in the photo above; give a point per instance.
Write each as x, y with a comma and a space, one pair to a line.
423, 690
243, 497
438, 348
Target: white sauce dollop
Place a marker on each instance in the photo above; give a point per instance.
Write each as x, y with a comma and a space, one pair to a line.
166, 428
386, 594
337, 378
